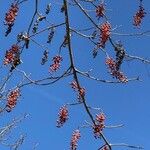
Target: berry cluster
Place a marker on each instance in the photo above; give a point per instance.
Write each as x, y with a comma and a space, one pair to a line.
10, 17
113, 70
140, 14
100, 10
105, 34
12, 99
56, 63
75, 137
99, 125
80, 90
62, 116
11, 54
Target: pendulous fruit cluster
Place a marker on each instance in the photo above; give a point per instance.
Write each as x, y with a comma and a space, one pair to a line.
99, 125
80, 90
11, 54
12, 99
140, 14
114, 71
56, 63
10, 17
105, 29
75, 137
100, 9
62, 116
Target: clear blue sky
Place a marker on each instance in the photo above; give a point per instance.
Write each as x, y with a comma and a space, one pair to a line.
126, 104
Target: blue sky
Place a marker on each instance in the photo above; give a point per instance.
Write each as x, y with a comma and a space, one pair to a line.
126, 104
